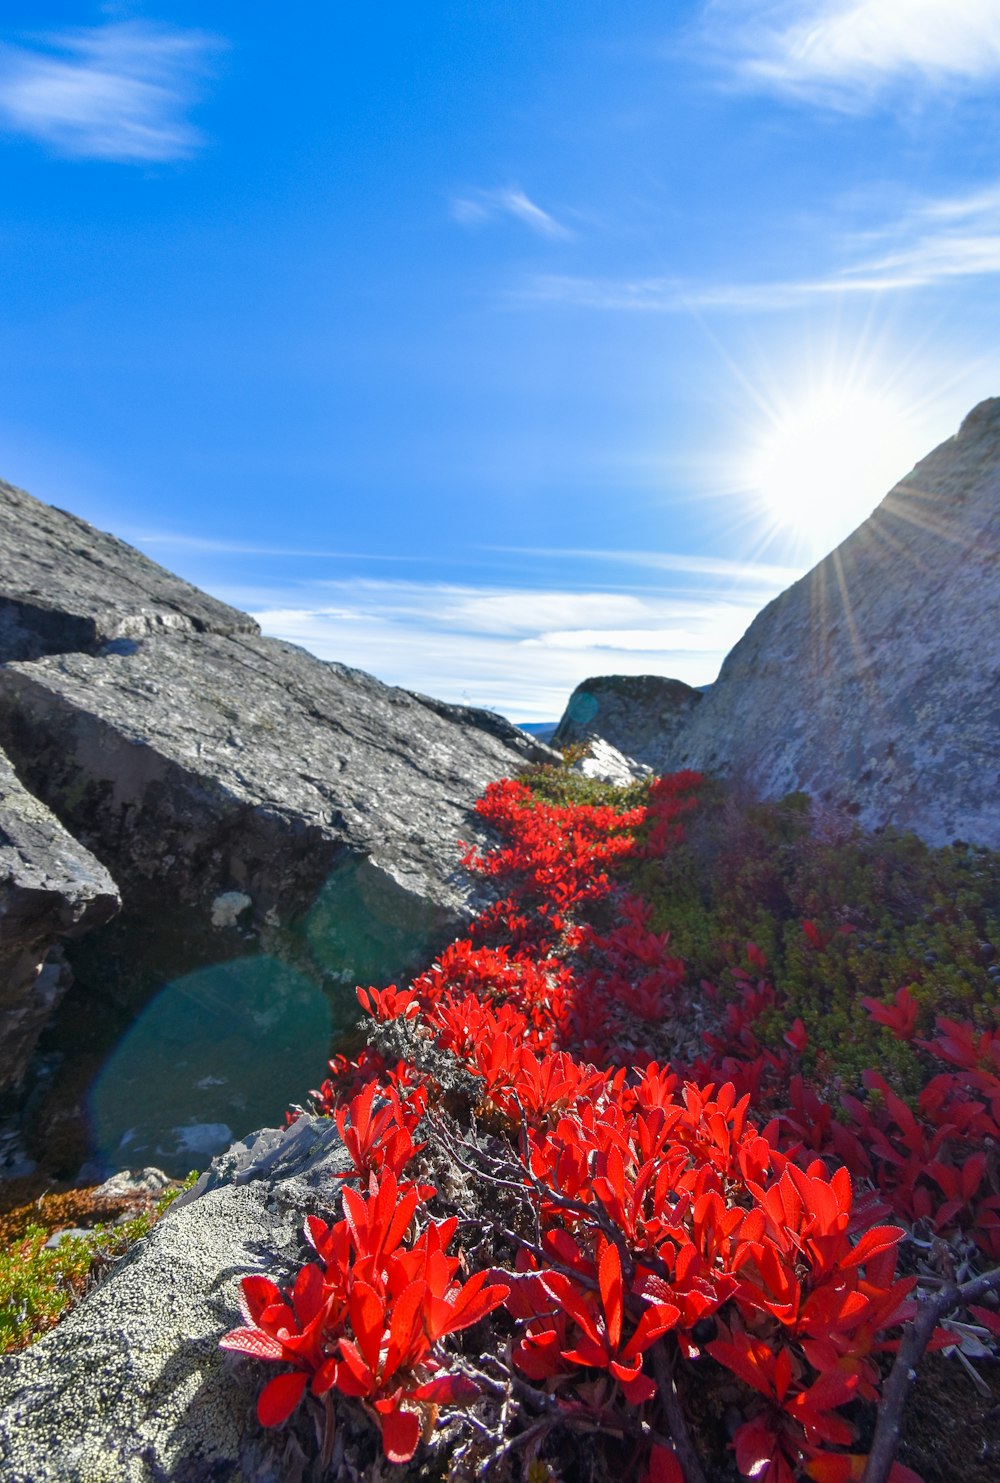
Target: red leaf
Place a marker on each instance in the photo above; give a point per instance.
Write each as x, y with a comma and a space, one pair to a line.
610, 1278
755, 1445
987, 1317
453, 1390
400, 1432
279, 1398
879, 1238
663, 1467
407, 1340
256, 1294
254, 1343
368, 1322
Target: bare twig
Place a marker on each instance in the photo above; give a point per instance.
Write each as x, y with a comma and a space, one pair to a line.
674, 1413
916, 1337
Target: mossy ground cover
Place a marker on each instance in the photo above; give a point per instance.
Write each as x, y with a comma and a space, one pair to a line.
39, 1283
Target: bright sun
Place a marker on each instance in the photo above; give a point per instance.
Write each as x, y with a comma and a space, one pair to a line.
825, 463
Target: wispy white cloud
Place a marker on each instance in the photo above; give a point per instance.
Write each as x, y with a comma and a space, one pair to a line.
114, 92
932, 242
845, 52
168, 541
952, 237
517, 650
639, 294
748, 575
476, 208
745, 574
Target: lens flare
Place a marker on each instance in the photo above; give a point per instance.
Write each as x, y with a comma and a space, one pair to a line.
826, 462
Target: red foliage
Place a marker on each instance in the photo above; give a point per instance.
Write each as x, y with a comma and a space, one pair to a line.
666, 1215
368, 1316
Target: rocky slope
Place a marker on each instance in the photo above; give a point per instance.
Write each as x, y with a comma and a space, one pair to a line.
874, 682
66, 586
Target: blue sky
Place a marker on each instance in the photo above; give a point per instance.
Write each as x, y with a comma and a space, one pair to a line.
489, 346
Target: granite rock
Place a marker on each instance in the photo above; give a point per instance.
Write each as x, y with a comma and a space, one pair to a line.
132, 1386
65, 586
641, 716
873, 683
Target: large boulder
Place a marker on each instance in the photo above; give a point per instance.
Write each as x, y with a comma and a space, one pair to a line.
874, 682
132, 1386
281, 829
640, 716
65, 586
51, 889
197, 765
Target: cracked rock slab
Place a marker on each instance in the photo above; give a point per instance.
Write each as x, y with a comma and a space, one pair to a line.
198, 765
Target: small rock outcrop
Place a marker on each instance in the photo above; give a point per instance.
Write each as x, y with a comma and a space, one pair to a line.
605, 764
640, 716
873, 683
65, 586
51, 889
132, 1386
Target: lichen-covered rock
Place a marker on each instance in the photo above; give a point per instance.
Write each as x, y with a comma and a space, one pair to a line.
66, 586
641, 716
51, 889
132, 1386
874, 682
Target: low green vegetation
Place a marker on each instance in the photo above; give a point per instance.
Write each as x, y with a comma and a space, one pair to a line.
39, 1283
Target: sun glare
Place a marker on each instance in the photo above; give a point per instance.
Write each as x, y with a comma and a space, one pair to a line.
825, 463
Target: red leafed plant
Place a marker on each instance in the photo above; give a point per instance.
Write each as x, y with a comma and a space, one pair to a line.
664, 1236
367, 1317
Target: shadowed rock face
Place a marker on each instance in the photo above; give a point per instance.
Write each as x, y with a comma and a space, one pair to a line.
51, 889
641, 716
874, 682
65, 586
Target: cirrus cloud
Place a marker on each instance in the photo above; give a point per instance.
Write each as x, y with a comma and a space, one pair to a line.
115, 92
843, 52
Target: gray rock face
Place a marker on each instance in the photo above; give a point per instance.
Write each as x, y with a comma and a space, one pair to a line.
51, 888
874, 682
65, 586
132, 1386
199, 765
639, 715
